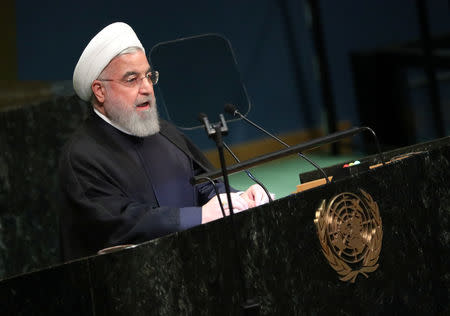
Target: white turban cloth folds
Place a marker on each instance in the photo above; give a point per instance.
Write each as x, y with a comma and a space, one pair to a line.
106, 45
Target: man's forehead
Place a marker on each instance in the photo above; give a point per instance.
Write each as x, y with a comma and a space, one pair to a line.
129, 62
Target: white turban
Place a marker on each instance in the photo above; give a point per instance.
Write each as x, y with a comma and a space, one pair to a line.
106, 45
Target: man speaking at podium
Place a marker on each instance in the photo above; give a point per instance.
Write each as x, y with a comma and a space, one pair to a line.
125, 173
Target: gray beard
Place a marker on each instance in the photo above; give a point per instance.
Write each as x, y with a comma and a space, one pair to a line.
138, 123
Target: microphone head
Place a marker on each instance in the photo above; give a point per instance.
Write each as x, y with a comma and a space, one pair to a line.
230, 108
201, 116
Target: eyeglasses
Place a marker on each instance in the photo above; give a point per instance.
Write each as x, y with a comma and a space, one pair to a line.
133, 81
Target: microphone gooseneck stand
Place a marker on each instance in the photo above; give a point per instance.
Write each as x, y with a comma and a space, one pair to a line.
250, 307
249, 174
217, 193
230, 108
292, 150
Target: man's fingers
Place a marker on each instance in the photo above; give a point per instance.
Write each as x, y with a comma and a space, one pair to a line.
259, 195
238, 202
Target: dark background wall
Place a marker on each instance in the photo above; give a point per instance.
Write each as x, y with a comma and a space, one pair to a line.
274, 47
271, 39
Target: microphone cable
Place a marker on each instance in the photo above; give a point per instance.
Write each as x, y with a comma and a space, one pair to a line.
230, 108
249, 174
217, 194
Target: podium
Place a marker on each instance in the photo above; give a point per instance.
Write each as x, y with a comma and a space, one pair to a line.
290, 264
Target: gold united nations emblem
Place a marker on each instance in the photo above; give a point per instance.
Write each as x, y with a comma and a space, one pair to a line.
350, 233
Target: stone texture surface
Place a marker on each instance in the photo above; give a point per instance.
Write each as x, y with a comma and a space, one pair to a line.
30, 140
277, 259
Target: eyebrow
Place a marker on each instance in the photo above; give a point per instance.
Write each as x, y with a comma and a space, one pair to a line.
134, 73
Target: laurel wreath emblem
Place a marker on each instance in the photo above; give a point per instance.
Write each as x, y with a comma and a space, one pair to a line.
350, 233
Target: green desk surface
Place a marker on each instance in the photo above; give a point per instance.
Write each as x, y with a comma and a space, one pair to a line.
282, 176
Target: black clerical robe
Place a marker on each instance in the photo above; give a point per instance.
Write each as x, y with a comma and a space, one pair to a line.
121, 189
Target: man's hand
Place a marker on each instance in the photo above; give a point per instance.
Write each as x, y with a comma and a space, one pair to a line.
255, 195
211, 210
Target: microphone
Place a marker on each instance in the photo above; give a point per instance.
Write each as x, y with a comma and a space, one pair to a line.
230, 108
249, 174
204, 119
215, 131
211, 129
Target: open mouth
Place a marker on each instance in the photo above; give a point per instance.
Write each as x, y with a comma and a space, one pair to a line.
144, 105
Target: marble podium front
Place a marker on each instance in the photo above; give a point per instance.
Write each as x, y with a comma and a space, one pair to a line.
31, 137
196, 272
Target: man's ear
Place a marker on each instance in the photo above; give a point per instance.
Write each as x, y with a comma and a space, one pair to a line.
98, 91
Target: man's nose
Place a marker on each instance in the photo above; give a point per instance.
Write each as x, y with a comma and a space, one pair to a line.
146, 86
